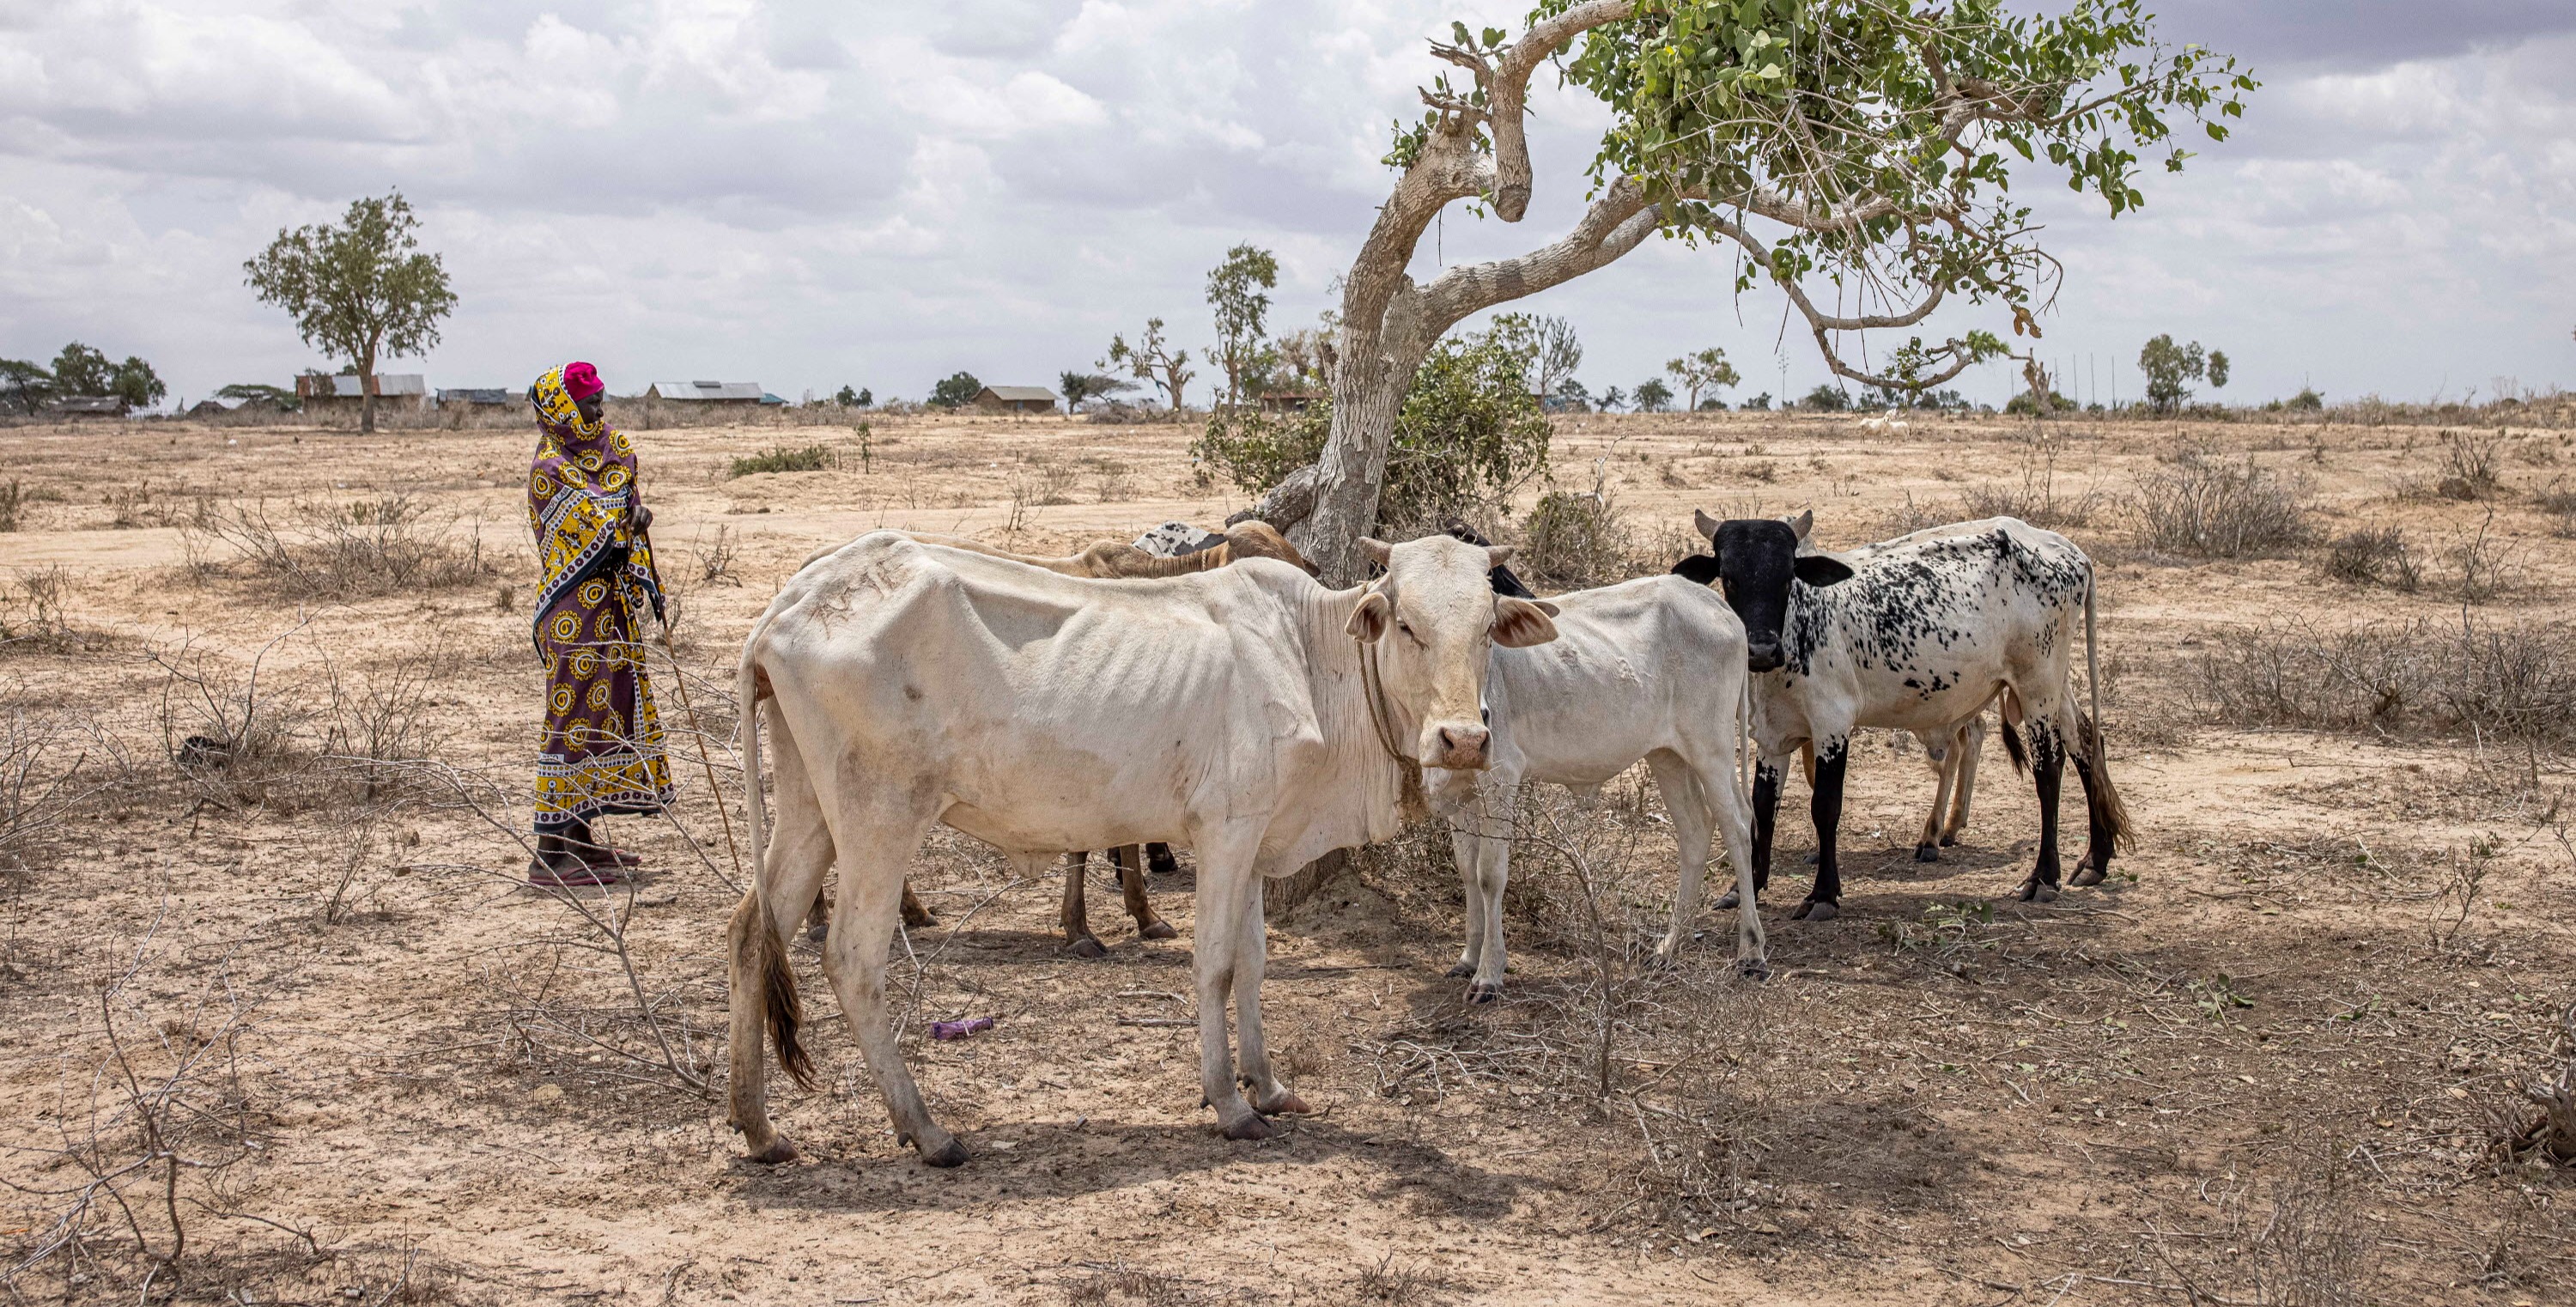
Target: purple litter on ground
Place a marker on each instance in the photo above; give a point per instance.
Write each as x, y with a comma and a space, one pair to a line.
960, 1029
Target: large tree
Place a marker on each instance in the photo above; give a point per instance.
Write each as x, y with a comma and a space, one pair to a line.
360, 291
1242, 315
1861, 144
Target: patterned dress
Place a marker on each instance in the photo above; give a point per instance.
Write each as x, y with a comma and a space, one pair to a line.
602, 748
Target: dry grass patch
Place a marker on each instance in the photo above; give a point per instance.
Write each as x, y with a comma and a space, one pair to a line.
2510, 680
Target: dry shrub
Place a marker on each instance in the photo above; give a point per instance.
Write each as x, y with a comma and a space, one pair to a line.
2472, 466
34, 619
2374, 556
2559, 501
2303, 1243
13, 503
245, 737
338, 551
2491, 679
1572, 541
2486, 567
2549, 1136
2207, 507
2035, 498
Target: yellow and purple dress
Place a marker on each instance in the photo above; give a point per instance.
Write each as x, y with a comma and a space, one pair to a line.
602, 748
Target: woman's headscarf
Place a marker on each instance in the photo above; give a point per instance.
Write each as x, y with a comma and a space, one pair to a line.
578, 492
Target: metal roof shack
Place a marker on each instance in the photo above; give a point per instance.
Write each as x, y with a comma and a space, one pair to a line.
86, 406
394, 390
1016, 399
706, 392
1289, 401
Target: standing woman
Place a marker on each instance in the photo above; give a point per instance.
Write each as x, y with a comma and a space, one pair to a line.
602, 749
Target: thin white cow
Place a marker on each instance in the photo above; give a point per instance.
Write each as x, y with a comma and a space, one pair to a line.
1651, 670
910, 683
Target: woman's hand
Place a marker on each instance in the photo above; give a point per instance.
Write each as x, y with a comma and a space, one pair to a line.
638, 518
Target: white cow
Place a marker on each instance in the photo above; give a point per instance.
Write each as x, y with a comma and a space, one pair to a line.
1652, 670
1227, 710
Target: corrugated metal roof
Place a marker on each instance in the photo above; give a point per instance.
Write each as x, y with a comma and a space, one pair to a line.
345, 385
1020, 394
689, 390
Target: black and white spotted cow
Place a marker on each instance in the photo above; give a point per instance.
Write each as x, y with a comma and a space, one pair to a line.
1918, 638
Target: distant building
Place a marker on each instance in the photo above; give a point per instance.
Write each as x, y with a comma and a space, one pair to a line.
1016, 399
395, 391
1289, 401
728, 393
86, 406
479, 396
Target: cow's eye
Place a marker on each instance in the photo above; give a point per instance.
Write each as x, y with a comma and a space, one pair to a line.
1407, 628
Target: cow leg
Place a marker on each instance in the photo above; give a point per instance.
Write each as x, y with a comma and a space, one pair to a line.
1691, 833
1824, 902
798, 857
1227, 891
1943, 754
1478, 810
1131, 886
854, 958
1252, 953
2047, 768
1767, 774
1078, 939
1159, 860
915, 914
1972, 744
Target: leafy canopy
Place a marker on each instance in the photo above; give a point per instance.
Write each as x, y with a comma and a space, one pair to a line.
359, 290
959, 390
1243, 318
1470, 433
1876, 138
81, 370
2168, 366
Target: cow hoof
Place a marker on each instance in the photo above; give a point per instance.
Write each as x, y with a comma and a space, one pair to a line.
1811, 859
1753, 969
1086, 947
1250, 1127
1484, 991
1949, 840
1159, 930
2086, 876
1286, 1104
779, 1151
818, 932
1927, 853
1816, 910
919, 920
2035, 890
947, 1155
1728, 901
1462, 971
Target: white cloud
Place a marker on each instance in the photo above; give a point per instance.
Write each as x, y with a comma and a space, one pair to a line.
811, 193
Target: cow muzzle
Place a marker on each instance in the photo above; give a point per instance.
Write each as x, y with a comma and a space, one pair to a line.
1459, 746
1762, 656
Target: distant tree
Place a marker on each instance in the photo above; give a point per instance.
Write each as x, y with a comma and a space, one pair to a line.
24, 386
1243, 319
1827, 399
1079, 386
2307, 400
1653, 396
1759, 402
860, 398
359, 291
1305, 359
1150, 359
80, 370
957, 391
1613, 400
2168, 366
1569, 396
1705, 370
1712, 404
277, 395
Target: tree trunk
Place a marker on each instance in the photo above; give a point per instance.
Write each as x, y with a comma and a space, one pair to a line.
367, 393
1368, 392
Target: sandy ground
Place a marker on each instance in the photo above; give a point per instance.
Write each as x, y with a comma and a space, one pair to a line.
2258, 1066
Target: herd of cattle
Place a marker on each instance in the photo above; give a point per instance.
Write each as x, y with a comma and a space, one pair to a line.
1208, 691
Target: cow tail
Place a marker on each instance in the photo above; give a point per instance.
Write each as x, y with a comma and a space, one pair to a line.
757, 943
2105, 798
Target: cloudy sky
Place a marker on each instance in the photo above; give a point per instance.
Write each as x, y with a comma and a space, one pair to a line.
814, 193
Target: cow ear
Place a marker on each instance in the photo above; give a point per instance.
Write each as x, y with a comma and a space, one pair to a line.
1803, 523
1707, 525
1520, 623
1497, 555
1700, 568
1368, 621
1378, 551
1816, 569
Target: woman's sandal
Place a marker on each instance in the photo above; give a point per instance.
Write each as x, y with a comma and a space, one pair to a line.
547, 875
